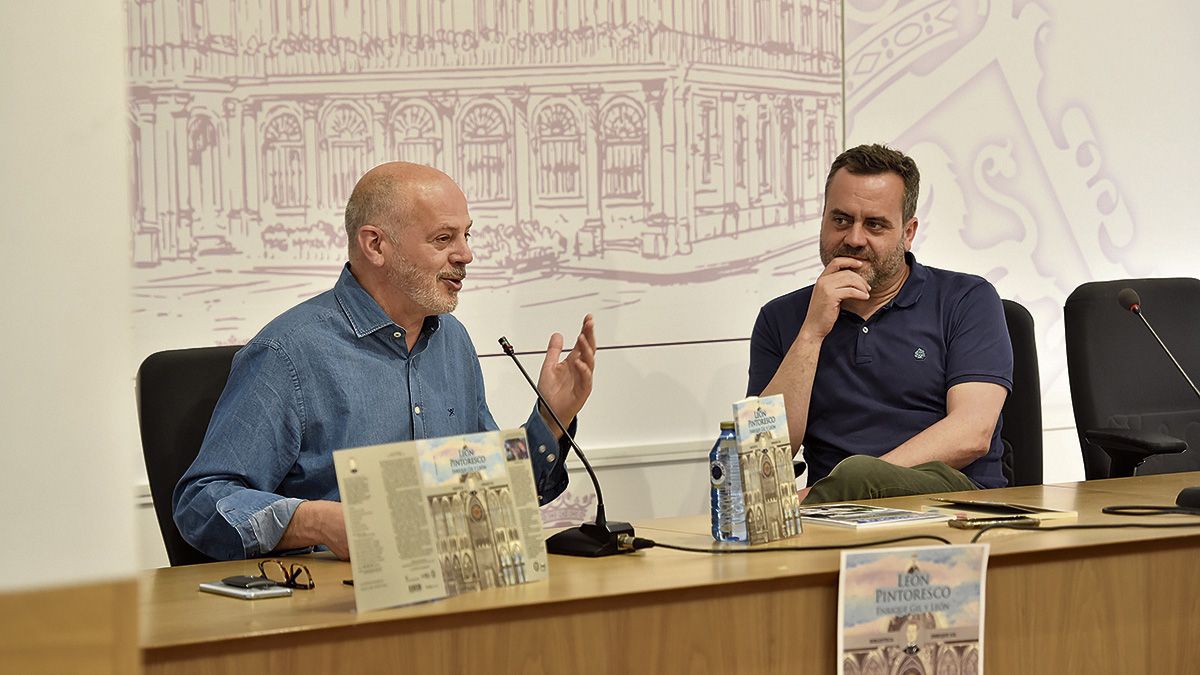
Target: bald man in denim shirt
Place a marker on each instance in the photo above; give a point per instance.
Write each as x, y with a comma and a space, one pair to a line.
377, 359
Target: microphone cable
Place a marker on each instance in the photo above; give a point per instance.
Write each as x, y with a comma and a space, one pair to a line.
1092, 526
1149, 510
639, 543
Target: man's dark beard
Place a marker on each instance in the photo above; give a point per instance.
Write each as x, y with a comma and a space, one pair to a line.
881, 270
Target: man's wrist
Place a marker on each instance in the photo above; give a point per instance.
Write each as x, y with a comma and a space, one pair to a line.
308, 526
548, 420
807, 338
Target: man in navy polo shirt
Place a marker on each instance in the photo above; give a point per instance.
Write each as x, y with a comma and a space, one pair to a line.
893, 373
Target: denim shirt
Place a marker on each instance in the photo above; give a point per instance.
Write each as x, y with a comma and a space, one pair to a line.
333, 372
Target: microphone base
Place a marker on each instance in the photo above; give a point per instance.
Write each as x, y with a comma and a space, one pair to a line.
589, 540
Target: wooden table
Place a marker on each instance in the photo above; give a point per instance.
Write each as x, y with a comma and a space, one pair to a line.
1093, 601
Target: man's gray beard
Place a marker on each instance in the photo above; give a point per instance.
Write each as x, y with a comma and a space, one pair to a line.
414, 284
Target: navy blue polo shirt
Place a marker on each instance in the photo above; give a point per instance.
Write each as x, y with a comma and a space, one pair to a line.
882, 381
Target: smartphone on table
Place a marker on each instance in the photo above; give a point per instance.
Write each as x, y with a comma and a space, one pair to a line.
246, 588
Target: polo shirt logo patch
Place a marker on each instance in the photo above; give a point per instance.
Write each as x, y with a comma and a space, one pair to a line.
919, 354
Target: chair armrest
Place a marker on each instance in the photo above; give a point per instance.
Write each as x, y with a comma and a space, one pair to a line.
1134, 442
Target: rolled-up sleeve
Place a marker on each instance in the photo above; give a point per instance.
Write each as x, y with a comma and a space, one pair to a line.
548, 454
225, 505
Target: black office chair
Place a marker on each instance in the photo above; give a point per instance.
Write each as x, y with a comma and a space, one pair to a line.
1133, 410
176, 393
1021, 433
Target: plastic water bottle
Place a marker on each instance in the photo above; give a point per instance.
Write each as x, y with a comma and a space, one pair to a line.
728, 501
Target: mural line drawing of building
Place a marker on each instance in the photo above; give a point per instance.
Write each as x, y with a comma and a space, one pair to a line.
578, 130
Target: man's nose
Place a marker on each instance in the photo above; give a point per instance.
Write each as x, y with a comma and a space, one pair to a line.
856, 236
462, 254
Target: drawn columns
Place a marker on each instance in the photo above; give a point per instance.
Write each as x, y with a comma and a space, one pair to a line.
446, 104
234, 172
659, 242
590, 239
523, 194
728, 122
378, 148
683, 179
251, 151
171, 138
311, 108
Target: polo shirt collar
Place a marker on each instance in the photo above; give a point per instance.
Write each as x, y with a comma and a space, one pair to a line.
363, 312
914, 285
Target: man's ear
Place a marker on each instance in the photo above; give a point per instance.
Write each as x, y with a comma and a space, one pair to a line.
910, 233
370, 244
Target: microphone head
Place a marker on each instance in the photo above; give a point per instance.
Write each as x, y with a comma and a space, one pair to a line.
1128, 298
504, 344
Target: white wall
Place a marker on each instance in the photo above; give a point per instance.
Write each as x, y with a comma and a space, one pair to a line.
1058, 145
1056, 141
65, 407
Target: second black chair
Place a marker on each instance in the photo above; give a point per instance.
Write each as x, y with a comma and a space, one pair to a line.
177, 391
1131, 403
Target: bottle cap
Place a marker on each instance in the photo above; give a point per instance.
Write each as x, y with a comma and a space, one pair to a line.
727, 426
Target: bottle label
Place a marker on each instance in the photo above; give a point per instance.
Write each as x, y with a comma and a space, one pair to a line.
716, 472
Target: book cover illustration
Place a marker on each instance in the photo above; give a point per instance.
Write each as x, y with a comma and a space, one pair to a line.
435, 517
912, 610
765, 457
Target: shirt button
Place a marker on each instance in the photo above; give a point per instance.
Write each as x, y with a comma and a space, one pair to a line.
417, 409
397, 335
550, 457
866, 330
542, 449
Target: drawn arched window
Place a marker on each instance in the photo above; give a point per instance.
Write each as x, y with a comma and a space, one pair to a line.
811, 143
824, 27
344, 146
484, 134
740, 159
831, 141
623, 142
806, 38
765, 151
204, 166
199, 16
283, 161
414, 135
709, 143
557, 147
135, 169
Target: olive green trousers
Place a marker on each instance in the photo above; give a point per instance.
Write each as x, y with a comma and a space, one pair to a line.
866, 477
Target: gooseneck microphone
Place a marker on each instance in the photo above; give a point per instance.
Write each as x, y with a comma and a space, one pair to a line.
1188, 499
593, 540
1130, 300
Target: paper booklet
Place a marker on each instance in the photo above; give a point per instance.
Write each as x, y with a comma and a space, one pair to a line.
912, 610
765, 458
435, 517
863, 516
957, 507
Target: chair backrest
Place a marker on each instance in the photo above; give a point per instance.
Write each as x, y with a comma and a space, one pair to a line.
1121, 378
177, 391
1021, 432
